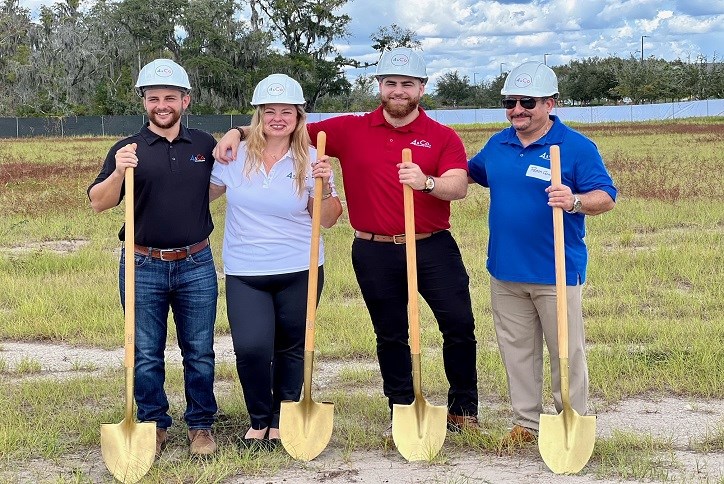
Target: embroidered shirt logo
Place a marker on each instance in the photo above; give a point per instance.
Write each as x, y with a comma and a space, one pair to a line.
422, 142
197, 158
545, 156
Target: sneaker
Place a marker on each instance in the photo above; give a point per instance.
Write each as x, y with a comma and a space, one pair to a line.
202, 442
161, 440
519, 435
458, 423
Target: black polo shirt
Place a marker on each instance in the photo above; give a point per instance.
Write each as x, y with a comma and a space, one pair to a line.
171, 187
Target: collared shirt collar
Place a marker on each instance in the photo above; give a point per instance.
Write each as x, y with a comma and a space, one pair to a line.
151, 137
417, 124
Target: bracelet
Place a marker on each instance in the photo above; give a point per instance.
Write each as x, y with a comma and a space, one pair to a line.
326, 195
241, 132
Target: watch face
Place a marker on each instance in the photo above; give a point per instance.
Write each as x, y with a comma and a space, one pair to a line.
429, 183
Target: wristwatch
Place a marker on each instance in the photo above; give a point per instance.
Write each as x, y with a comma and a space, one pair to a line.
429, 185
576, 205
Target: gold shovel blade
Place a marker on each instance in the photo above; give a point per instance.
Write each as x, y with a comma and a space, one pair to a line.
566, 440
128, 449
419, 429
305, 427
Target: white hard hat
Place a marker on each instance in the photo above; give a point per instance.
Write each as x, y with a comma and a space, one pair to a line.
162, 72
533, 79
277, 89
402, 61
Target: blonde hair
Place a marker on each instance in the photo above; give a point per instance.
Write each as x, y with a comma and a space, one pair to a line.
299, 143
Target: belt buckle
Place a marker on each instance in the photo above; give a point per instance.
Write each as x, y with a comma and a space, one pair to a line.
161, 253
399, 241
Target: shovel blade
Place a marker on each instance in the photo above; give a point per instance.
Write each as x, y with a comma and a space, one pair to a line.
305, 427
128, 449
566, 440
419, 429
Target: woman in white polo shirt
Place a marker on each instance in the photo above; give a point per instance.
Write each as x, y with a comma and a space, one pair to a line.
267, 238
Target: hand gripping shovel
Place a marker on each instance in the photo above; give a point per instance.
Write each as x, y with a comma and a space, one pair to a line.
305, 427
129, 448
418, 429
565, 440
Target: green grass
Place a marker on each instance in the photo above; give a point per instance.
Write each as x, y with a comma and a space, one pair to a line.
653, 306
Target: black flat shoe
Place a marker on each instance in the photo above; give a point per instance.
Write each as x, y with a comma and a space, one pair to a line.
256, 445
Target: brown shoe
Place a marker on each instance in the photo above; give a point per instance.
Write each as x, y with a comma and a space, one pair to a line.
202, 442
161, 439
458, 423
519, 435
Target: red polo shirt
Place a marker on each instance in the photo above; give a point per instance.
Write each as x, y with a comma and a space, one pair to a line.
369, 149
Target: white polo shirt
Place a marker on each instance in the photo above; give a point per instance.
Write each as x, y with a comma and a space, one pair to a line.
268, 228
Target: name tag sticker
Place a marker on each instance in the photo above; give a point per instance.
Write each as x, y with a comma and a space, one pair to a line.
539, 172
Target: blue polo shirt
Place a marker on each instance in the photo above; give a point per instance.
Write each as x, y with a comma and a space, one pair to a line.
171, 185
520, 243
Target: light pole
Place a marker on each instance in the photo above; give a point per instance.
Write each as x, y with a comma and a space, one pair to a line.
501, 68
642, 47
475, 76
545, 59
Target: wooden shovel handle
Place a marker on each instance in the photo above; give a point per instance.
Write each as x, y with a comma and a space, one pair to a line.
560, 259
130, 271
411, 253
314, 250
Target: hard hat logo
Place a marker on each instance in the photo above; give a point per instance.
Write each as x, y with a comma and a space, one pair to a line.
164, 71
523, 80
400, 60
275, 90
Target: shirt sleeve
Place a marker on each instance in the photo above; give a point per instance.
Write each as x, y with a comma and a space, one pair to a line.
217, 174
453, 155
591, 173
476, 168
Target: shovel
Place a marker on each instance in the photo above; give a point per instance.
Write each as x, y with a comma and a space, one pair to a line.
305, 427
565, 440
418, 429
129, 448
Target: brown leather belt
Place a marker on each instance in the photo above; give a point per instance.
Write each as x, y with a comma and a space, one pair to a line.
172, 254
396, 239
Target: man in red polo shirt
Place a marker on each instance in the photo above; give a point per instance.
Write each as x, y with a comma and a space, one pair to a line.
369, 148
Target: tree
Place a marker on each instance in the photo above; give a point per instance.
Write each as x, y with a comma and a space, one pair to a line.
307, 30
393, 36
453, 89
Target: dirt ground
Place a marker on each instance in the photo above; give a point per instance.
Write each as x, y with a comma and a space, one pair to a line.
681, 421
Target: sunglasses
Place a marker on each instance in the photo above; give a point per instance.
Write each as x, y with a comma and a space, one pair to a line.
525, 102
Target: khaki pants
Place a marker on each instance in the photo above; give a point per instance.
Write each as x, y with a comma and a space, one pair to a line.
525, 315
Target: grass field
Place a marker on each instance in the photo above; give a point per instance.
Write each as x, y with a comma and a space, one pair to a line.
653, 304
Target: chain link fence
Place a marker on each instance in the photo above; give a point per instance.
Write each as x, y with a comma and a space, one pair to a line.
108, 125
127, 125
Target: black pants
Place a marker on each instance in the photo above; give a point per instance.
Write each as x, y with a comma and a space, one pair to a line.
381, 270
267, 316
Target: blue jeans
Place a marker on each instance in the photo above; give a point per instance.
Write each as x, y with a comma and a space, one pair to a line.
189, 287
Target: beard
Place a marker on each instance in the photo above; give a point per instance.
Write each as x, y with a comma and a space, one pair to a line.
398, 110
170, 122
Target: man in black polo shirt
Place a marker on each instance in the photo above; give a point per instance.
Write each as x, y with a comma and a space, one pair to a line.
174, 264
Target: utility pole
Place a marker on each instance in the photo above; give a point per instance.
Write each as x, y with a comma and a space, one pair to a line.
501, 68
545, 59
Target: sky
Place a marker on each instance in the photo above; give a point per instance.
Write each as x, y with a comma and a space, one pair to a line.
481, 39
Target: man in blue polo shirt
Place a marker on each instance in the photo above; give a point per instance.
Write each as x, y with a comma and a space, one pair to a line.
515, 165
174, 264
